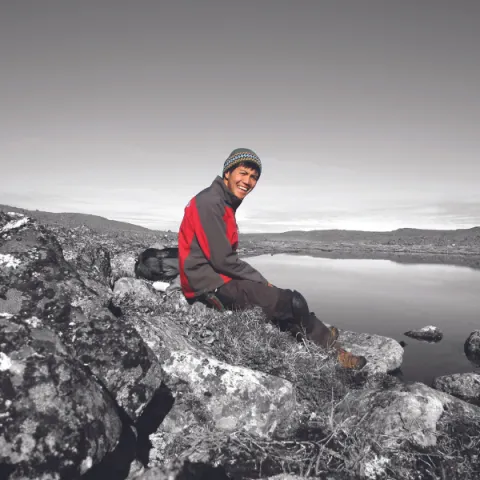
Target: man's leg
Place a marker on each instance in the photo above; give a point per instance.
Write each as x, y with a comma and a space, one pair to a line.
289, 310
241, 294
285, 308
275, 302
320, 334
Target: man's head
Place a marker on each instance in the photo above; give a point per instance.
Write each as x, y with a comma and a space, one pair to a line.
241, 172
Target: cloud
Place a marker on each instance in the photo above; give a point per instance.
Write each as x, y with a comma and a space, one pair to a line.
156, 209
449, 216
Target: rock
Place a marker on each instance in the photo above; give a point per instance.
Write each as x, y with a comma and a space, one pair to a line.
135, 293
285, 476
160, 286
179, 302
231, 397
123, 265
406, 412
185, 470
94, 260
472, 347
92, 264
38, 285
465, 386
158, 245
55, 419
136, 470
383, 354
391, 425
175, 286
185, 423
429, 333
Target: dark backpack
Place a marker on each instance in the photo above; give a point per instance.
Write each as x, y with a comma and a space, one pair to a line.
157, 265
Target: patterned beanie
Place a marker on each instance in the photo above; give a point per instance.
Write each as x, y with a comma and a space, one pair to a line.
240, 155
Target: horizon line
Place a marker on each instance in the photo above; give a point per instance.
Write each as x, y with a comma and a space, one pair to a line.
253, 232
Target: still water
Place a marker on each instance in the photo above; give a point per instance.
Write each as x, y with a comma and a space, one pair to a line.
388, 298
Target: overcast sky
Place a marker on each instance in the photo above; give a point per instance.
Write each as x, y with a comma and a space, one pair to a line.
366, 114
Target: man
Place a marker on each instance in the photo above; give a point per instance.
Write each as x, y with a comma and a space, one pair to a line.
211, 271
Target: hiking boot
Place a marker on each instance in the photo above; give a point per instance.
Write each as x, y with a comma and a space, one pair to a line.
349, 360
316, 331
334, 333
322, 335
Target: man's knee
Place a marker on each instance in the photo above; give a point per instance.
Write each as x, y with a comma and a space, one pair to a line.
246, 293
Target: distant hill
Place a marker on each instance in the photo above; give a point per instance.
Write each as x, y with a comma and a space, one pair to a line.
363, 235
401, 235
72, 220
408, 236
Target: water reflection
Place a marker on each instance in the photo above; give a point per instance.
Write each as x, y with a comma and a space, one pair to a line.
389, 298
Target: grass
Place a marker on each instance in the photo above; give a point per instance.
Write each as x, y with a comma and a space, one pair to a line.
319, 446
246, 339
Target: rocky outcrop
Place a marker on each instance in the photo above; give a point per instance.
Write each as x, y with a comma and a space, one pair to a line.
42, 291
40, 284
56, 421
472, 347
391, 424
108, 384
231, 397
429, 333
383, 354
208, 395
461, 385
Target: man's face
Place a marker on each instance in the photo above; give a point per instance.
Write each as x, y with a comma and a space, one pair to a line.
241, 181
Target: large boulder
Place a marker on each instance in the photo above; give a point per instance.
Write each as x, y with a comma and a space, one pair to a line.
461, 385
472, 347
383, 354
231, 397
37, 282
387, 428
56, 421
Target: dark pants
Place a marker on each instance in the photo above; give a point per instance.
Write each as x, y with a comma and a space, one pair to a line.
275, 302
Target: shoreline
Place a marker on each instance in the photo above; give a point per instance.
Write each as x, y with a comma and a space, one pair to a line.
469, 259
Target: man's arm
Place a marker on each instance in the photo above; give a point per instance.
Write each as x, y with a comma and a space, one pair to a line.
212, 238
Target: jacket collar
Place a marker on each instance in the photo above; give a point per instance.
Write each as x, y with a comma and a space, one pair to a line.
229, 197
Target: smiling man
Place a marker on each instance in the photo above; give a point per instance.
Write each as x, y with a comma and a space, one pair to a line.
212, 272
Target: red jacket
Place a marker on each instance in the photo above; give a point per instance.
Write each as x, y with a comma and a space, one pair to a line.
208, 241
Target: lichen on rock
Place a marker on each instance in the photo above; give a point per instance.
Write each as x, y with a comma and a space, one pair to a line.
54, 415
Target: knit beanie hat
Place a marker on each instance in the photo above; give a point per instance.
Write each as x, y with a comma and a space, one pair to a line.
240, 155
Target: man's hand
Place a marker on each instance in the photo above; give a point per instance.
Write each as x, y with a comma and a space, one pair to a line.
269, 284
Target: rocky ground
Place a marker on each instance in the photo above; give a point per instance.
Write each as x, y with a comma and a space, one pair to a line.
102, 376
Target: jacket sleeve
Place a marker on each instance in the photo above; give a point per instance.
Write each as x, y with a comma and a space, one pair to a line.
212, 238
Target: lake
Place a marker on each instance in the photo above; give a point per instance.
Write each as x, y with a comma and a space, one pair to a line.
388, 298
